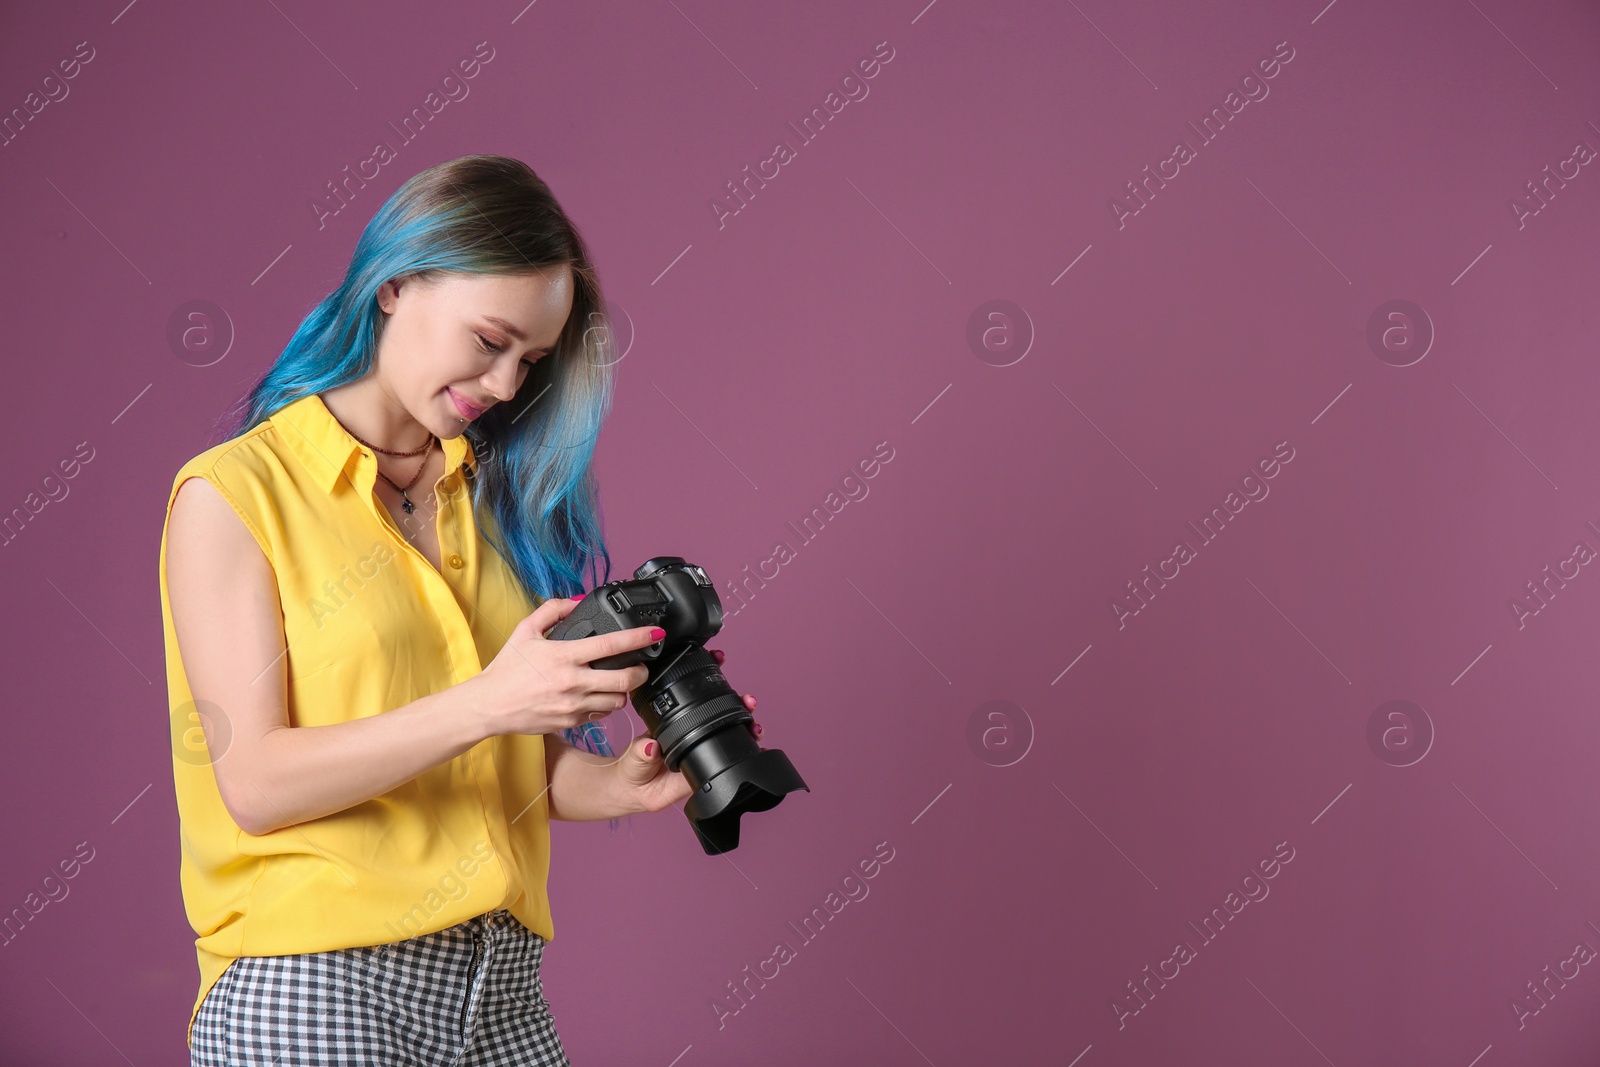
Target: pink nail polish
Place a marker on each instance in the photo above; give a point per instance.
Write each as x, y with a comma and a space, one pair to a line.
657, 632
580, 596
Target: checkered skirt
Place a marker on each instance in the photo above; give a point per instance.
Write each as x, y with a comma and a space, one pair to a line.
466, 996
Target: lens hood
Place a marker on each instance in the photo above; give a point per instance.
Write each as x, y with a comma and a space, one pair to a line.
755, 783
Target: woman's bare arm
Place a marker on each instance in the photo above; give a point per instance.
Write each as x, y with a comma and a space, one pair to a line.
225, 610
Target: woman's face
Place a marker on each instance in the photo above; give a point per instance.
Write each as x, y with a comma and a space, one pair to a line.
456, 345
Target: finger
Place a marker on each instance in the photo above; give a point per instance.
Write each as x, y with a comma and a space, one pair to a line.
602, 645
596, 706
624, 680
755, 730
750, 702
719, 654
545, 616
641, 761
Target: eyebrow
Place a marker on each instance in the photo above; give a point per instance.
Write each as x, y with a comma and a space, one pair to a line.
502, 324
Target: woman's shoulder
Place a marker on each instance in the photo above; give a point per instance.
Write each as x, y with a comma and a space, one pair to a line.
251, 455
252, 472
247, 471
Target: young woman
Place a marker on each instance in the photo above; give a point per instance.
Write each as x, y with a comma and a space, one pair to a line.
370, 730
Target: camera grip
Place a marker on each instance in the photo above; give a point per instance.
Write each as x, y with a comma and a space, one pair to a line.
593, 617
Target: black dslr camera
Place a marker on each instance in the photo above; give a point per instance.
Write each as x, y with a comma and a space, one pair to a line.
687, 705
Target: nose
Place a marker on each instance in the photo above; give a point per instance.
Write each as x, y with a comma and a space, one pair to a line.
501, 380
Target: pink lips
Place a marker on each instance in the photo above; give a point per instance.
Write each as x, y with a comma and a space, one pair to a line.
466, 409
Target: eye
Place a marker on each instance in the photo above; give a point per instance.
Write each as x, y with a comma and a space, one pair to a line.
486, 345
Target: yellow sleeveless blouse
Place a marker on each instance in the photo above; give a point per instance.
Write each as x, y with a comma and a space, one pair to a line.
370, 625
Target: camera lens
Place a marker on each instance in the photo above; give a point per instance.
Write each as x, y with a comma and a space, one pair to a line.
701, 724
692, 700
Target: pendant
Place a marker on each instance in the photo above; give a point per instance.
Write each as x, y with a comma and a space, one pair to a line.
406, 504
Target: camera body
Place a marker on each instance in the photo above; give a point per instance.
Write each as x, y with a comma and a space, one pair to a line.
687, 705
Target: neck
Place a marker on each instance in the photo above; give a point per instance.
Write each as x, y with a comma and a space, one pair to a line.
370, 412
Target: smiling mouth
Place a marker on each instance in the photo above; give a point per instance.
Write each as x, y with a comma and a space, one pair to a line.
466, 408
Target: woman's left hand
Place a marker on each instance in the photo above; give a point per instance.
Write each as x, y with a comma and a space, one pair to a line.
646, 783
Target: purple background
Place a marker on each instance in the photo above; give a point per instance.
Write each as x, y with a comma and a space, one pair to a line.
771, 354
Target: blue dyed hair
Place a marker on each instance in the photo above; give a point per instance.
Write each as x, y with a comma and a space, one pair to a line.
534, 496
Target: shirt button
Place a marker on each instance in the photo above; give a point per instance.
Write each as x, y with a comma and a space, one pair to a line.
456, 561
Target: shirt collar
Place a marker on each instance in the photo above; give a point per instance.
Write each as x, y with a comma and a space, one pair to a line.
326, 448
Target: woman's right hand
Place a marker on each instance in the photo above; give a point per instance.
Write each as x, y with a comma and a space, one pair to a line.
537, 686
